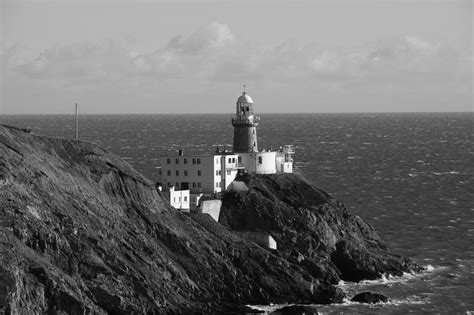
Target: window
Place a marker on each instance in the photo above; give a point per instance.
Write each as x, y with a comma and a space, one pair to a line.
220, 172
240, 159
185, 173
199, 172
176, 161
177, 173
168, 173
217, 184
228, 172
217, 173
259, 160
233, 160
199, 184
194, 185
185, 161
198, 161
185, 198
194, 161
179, 199
174, 199
168, 161
230, 160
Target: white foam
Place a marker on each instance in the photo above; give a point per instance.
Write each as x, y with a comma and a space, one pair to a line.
268, 308
388, 279
409, 300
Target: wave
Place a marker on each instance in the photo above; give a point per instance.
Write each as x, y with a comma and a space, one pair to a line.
414, 299
390, 279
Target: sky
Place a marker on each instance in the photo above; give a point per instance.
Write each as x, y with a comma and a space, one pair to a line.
138, 57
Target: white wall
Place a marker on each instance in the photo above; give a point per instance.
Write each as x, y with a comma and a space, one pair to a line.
288, 167
211, 207
218, 171
187, 172
265, 162
261, 238
229, 165
178, 199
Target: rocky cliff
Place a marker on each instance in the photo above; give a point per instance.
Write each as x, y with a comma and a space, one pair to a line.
82, 232
312, 229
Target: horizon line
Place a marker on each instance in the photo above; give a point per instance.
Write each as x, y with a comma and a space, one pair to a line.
231, 113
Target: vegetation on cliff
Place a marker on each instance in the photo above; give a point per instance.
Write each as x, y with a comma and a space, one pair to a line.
82, 232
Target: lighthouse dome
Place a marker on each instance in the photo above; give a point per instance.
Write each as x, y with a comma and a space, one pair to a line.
244, 98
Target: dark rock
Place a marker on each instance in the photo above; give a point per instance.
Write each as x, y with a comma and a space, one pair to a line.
368, 297
83, 232
297, 310
311, 229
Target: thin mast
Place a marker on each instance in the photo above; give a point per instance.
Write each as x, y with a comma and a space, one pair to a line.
77, 124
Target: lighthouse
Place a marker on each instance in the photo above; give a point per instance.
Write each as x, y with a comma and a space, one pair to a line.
245, 125
186, 178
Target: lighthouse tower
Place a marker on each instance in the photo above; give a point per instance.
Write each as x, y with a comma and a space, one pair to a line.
245, 123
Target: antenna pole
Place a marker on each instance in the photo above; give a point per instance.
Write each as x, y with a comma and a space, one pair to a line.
77, 124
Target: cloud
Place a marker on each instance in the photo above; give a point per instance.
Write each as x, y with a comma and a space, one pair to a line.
209, 37
76, 62
213, 53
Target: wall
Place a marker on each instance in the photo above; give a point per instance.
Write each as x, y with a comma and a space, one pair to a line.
288, 167
205, 180
248, 160
229, 164
179, 199
261, 238
267, 165
211, 207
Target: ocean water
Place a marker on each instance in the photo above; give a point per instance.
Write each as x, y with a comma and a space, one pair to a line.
409, 175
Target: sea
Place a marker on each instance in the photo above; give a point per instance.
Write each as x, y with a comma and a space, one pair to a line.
409, 175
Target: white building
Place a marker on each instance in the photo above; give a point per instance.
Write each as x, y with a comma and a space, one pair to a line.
214, 173
179, 199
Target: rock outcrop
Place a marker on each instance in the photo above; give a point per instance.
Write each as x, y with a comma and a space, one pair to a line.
82, 232
312, 229
370, 298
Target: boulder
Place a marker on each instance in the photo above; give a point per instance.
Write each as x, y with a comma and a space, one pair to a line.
368, 297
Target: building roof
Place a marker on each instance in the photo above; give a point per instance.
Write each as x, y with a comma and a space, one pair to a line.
244, 98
